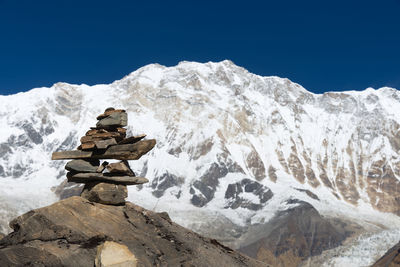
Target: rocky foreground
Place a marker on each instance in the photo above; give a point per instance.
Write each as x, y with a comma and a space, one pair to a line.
390, 259
77, 232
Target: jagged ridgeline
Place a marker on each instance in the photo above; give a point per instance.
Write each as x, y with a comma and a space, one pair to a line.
106, 182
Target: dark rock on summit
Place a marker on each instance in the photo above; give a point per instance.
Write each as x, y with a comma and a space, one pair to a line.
69, 233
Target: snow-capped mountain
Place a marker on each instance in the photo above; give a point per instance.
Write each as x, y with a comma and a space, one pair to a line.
233, 150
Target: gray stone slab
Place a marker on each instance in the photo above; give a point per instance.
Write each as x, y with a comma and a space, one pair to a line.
116, 119
132, 139
91, 177
103, 144
122, 152
80, 165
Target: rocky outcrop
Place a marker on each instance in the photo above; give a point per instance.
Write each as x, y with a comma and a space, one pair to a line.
75, 232
390, 259
293, 235
113, 254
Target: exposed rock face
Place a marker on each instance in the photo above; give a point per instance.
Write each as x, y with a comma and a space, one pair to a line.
112, 254
69, 232
294, 235
390, 259
235, 195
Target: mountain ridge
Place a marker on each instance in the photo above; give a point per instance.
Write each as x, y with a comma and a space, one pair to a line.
233, 147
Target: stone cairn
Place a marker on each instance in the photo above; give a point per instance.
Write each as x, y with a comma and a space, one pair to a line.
106, 182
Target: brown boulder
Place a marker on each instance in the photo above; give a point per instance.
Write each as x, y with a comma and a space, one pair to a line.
105, 193
121, 167
68, 233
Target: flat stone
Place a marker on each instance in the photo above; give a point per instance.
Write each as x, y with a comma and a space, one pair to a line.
122, 152
130, 151
132, 139
95, 131
87, 146
108, 113
100, 177
113, 254
81, 165
116, 119
120, 168
105, 193
101, 134
103, 144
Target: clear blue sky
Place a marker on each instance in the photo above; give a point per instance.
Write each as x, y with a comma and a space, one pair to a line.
323, 45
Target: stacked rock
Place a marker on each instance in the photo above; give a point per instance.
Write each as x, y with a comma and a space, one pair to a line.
106, 183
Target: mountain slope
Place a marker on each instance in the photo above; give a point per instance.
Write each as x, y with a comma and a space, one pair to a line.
233, 148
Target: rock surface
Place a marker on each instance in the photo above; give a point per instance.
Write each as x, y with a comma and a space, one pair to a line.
81, 165
105, 193
390, 259
294, 235
113, 254
91, 177
123, 152
68, 233
120, 168
116, 119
